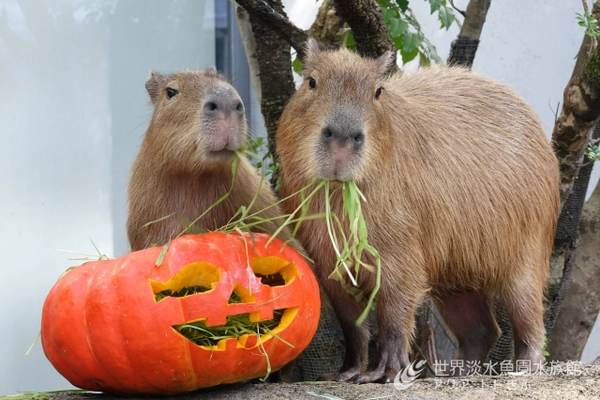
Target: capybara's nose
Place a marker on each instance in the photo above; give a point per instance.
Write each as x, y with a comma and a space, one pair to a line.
342, 135
223, 101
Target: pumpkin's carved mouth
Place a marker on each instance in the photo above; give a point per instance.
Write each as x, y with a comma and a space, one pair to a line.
246, 329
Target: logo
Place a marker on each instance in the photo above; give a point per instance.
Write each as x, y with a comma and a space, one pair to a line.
406, 377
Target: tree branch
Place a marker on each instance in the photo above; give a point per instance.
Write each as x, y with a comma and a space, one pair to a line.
585, 6
461, 12
262, 13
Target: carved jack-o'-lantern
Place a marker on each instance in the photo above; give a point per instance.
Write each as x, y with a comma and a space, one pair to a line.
118, 325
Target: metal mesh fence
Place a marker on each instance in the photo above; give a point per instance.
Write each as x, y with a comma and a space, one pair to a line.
567, 237
462, 51
325, 353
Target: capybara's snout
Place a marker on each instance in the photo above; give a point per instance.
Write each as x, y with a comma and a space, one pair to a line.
223, 120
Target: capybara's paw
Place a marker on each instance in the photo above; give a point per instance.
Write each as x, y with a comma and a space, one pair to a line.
348, 375
370, 376
341, 376
387, 370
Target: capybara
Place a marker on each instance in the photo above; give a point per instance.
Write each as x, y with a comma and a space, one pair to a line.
185, 161
461, 191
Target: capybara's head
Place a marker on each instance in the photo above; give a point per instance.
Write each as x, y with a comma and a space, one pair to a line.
335, 127
198, 120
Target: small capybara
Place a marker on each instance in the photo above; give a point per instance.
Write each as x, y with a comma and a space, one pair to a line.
461, 190
185, 162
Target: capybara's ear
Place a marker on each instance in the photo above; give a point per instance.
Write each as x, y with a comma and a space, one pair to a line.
154, 85
384, 62
312, 50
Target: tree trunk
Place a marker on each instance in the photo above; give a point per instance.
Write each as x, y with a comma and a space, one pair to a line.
249, 42
580, 307
270, 15
272, 66
580, 111
371, 34
463, 49
328, 27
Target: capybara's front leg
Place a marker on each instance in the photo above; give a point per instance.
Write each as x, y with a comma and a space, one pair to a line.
356, 337
402, 290
395, 324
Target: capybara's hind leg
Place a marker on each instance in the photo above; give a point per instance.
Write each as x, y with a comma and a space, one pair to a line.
524, 304
356, 337
469, 315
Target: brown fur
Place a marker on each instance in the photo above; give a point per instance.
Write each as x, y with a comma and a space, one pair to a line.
184, 163
462, 200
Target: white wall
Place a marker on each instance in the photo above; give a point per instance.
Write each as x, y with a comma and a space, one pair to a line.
72, 112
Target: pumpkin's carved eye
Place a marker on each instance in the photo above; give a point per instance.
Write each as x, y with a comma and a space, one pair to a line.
274, 271
194, 278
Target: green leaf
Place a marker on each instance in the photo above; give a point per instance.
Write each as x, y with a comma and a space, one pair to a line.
408, 56
403, 4
397, 27
388, 14
431, 51
593, 152
297, 66
424, 61
588, 21
446, 17
162, 254
436, 4
350, 41
410, 42
384, 4
398, 42
157, 220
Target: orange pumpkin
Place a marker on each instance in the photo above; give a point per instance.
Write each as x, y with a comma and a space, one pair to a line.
111, 325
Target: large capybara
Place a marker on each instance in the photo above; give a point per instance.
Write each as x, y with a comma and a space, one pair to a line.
461, 191
184, 164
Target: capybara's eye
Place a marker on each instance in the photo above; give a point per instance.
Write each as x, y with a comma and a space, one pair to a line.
171, 92
312, 84
378, 93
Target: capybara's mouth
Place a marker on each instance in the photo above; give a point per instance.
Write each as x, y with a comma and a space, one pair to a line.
336, 177
224, 153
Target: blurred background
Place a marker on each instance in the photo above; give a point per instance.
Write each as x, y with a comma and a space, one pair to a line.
73, 110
